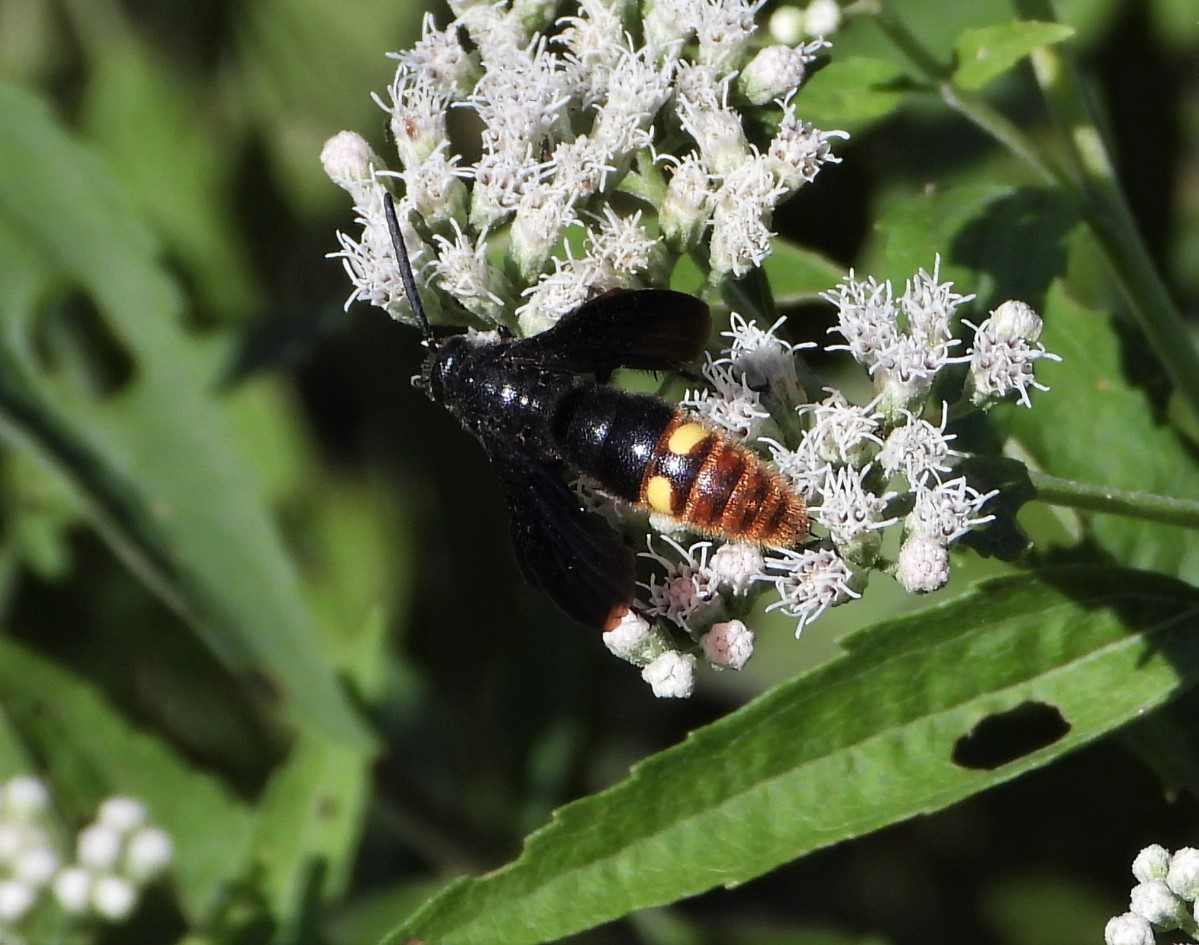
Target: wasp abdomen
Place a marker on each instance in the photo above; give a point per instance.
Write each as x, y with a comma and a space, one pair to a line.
701, 477
643, 450
609, 435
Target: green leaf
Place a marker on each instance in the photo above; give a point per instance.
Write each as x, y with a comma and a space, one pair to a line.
140, 113
153, 458
89, 751
1122, 441
860, 743
799, 275
849, 93
310, 818
984, 54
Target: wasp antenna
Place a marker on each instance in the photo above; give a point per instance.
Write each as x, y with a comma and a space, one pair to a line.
401, 251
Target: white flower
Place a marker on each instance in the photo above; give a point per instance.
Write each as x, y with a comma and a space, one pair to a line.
1004, 353
417, 121
741, 213
809, 583
730, 405
350, 164
785, 25
865, 317
841, 433
439, 59
917, 449
16, 899
687, 592
522, 98
671, 675
621, 245
37, 864
930, 305
848, 510
556, 293
72, 888
946, 511
737, 566
540, 221
822, 18
764, 359
903, 356
149, 852
688, 202
701, 102
803, 468
636, 88
98, 846
501, 178
371, 264
462, 271
724, 30
669, 23
577, 169
904, 373
798, 151
113, 897
436, 190
122, 813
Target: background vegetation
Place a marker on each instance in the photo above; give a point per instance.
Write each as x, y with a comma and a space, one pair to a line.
252, 578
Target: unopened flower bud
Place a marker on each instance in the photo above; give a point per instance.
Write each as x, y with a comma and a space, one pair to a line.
350, 162
728, 645
771, 74
922, 566
671, 675
1183, 875
1153, 862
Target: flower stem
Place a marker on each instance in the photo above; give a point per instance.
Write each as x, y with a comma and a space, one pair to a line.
970, 106
1126, 502
1107, 212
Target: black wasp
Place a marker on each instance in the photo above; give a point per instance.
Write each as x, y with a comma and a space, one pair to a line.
540, 406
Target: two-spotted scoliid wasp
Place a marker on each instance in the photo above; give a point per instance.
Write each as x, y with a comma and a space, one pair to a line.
539, 406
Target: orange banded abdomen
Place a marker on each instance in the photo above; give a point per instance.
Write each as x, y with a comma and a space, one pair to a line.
717, 486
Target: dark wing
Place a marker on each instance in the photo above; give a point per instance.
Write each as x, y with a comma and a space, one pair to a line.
561, 547
645, 329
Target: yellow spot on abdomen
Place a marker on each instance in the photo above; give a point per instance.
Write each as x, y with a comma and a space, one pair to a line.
658, 494
686, 437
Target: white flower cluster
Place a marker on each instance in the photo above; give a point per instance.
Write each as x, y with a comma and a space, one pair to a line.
115, 858
653, 107
611, 142
1165, 898
861, 469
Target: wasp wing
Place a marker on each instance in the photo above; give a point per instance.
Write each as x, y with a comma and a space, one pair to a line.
644, 329
560, 546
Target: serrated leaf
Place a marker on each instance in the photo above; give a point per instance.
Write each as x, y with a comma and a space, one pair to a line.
154, 461
984, 54
858, 744
89, 750
309, 820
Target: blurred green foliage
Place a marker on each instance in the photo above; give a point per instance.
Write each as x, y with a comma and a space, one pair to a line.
249, 576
